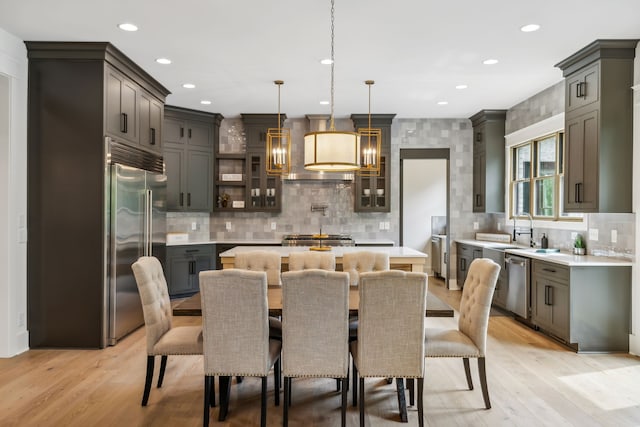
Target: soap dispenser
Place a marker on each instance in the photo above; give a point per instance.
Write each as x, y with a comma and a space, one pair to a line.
544, 242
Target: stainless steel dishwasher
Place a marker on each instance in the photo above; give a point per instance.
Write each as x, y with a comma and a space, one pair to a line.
518, 289
436, 249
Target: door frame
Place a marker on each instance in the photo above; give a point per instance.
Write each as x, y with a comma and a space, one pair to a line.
435, 154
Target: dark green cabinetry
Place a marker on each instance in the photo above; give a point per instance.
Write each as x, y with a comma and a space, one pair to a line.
183, 266
372, 192
187, 148
488, 160
598, 127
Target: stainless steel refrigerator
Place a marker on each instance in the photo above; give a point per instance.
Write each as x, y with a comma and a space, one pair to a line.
136, 226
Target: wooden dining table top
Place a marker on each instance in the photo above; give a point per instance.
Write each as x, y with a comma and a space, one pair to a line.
192, 306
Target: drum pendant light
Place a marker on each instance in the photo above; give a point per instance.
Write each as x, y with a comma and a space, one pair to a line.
332, 150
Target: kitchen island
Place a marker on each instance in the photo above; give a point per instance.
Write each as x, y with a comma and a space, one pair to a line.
400, 258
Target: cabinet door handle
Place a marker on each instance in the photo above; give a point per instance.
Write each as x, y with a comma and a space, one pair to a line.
192, 267
550, 270
581, 90
578, 191
181, 199
188, 199
153, 136
189, 133
190, 251
477, 200
546, 295
464, 264
478, 136
123, 122
550, 295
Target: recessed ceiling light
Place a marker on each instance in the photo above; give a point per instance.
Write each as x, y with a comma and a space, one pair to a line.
461, 86
128, 27
530, 28
443, 102
490, 61
326, 61
188, 86
205, 102
324, 102
163, 61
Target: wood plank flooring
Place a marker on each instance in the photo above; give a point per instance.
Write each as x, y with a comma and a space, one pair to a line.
533, 381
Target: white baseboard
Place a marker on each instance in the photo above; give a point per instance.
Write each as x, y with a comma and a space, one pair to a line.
453, 285
634, 344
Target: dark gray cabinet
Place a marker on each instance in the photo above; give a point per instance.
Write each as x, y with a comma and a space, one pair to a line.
465, 255
151, 114
243, 177
188, 141
488, 160
372, 192
75, 98
586, 307
550, 298
598, 126
183, 266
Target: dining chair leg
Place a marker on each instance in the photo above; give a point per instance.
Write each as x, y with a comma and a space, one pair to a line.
225, 391
361, 402
483, 382
276, 382
163, 366
402, 402
420, 402
212, 400
354, 385
148, 379
290, 390
285, 407
263, 405
467, 372
345, 381
337, 384
207, 399
412, 392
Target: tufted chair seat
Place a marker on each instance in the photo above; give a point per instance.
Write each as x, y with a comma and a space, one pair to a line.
163, 339
470, 339
312, 260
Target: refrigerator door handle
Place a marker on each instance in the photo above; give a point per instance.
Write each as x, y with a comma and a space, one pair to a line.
148, 227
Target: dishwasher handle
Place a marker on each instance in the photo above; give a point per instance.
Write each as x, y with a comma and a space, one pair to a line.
516, 261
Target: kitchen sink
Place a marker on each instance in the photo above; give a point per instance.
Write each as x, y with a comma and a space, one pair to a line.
547, 250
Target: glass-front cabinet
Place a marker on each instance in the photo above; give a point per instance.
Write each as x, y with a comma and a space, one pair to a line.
264, 191
372, 191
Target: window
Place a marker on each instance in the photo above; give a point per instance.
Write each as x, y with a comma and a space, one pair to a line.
537, 179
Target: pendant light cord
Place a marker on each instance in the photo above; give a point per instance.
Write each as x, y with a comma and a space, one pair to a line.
333, 9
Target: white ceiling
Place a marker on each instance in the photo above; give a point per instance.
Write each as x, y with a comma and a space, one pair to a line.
417, 51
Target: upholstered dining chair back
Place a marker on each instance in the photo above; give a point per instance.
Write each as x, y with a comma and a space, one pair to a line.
156, 306
475, 303
315, 313
234, 322
356, 263
266, 261
391, 324
312, 260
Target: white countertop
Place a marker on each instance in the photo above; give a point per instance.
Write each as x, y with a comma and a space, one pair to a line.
338, 251
563, 257
268, 242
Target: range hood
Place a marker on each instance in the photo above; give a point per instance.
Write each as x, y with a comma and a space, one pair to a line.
317, 122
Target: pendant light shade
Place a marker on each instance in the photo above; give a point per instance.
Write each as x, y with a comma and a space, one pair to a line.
278, 145
332, 150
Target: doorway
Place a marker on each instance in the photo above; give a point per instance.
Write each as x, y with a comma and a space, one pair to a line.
424, 200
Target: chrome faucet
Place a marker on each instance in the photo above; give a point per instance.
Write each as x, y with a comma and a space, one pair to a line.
517, 232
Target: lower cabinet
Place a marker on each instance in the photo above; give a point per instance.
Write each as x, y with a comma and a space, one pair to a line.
550, 307
465, 254
184, 264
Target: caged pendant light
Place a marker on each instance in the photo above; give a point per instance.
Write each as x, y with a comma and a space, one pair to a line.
278, 145
332, 150
371, 143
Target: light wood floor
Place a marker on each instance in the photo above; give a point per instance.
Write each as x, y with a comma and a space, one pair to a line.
532, 382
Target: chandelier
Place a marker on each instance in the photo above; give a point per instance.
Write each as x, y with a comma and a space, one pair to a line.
278, 145
371, 143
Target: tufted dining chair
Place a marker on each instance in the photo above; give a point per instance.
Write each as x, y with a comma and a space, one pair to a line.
315, 312
356, 263
312, 260
391, 333
469, 340
235, 329
163, 339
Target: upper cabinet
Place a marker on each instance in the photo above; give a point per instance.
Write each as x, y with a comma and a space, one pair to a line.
488, 160
188, 145
598, 127
372, 192
241, 179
